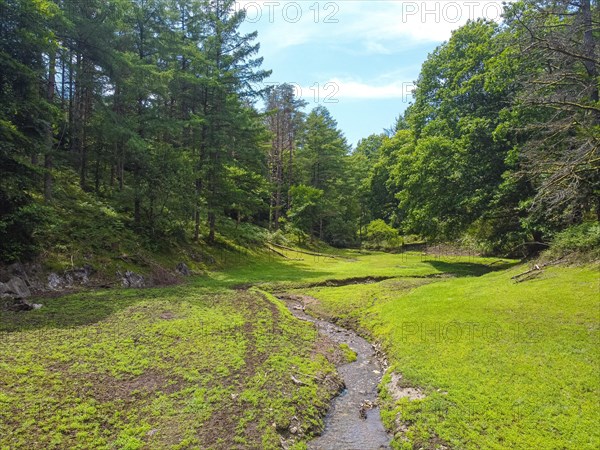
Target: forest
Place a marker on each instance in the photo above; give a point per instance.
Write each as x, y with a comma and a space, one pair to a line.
159, 111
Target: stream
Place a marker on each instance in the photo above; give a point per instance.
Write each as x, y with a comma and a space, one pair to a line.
351, 423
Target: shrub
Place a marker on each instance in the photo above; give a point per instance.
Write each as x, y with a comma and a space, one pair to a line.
583, 239
381, 235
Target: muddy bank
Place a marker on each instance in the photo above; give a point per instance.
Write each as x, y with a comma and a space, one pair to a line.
353, 421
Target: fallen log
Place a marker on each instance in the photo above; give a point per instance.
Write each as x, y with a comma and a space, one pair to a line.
537, 267
283, 255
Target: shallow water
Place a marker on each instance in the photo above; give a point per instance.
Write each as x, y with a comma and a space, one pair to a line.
345, 429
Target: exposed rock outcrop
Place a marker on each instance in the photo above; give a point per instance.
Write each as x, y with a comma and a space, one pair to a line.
132, 279
183, 269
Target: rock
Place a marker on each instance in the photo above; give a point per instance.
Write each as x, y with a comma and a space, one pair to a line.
132, 279
17, 288
293, 430
183, 269
16, 292
37, 305
79, 275
55, 281
19, 305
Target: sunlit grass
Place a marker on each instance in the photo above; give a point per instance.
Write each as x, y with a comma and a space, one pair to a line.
503, 364
157, 368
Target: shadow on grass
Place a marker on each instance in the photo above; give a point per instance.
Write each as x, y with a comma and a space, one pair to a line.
90, 307
468, 269
73, 310
260, 271
87, 308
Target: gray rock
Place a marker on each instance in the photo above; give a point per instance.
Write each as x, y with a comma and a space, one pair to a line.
16, 291
80, 275
183, 269
55, 281
132, 279
18, 288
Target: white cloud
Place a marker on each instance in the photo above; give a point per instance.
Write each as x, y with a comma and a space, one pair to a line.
374, 26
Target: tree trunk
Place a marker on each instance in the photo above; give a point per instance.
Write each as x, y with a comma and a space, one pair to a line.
48, 182
589, 45
197, 211
137, 217
321, 228
49, 131
211, 227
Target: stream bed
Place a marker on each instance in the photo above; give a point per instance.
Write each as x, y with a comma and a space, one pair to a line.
353, 421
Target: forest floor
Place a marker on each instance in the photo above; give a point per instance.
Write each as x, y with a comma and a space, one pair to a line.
216, 363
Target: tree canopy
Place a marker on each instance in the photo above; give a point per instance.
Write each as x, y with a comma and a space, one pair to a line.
157, 109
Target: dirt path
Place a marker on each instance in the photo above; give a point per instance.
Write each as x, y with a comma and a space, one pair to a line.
353, 421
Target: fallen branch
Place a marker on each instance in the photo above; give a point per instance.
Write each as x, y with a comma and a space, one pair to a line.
283, 255
536, 267
531, 276
539, 268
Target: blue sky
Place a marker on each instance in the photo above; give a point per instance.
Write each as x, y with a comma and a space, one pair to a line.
359, 58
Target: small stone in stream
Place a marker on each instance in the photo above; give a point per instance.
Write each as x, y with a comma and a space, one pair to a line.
364, 407
377, 372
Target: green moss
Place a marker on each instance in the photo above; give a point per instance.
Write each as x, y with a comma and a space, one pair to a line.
349, 354
132, 369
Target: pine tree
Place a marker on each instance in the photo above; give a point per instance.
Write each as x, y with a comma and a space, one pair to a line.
230, 73
284, 120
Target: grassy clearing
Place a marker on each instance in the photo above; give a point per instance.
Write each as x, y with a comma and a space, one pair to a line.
301, 270
503, 365
159, 368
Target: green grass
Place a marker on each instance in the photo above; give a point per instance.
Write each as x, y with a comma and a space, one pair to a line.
276, 273
503, 364
159, 368
349, 354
